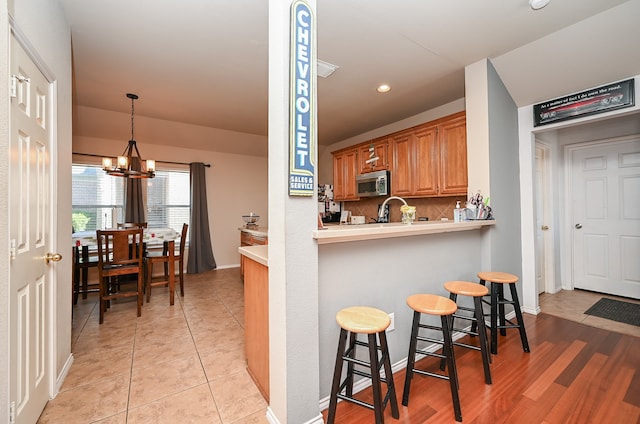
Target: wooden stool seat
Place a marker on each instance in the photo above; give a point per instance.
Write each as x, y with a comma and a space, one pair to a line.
363, 320
466, 288
431, 304
373, 322
498, 277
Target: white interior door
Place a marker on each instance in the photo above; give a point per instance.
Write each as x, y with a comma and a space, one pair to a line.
606, 218
543, 235
29, 228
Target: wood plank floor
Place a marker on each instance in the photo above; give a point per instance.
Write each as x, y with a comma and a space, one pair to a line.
574, 374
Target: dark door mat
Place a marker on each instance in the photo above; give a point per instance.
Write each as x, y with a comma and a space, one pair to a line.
616, 310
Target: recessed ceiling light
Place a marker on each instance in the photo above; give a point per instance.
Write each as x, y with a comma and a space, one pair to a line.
538, 4
383, 88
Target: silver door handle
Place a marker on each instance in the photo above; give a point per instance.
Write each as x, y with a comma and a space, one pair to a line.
578, 226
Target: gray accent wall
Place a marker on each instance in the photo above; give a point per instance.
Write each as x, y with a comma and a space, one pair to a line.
506, 253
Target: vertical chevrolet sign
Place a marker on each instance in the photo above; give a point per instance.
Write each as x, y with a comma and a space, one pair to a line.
302, 91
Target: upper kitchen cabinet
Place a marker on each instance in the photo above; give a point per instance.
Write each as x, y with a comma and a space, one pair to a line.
374, 156
414, 152
431, 159
345, 164
452, 136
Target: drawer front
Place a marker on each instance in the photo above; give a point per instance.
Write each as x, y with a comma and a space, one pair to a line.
258, 240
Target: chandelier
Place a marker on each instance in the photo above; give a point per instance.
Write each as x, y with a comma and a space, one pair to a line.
125, 166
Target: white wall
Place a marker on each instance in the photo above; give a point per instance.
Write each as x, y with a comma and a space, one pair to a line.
236, 186
42, 26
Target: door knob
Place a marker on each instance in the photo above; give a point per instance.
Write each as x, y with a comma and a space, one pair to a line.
55, 257
545, 227
578, 226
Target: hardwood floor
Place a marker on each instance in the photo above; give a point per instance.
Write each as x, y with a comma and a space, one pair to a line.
574, 374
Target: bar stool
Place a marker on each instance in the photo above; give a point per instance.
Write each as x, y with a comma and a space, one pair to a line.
432, 305
498, 280
477, 291
370, 321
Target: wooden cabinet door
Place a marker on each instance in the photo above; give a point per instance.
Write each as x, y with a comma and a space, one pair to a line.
338, 177
402, 164
425, 167
453, 157
379, 149
345, 165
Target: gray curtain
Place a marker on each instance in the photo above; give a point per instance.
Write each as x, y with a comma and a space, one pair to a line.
200, 251
134, 210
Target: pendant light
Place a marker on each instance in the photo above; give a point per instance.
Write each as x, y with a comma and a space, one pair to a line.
123, 167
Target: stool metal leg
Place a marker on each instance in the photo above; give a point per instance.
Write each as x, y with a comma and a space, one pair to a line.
494, 318
375, 379
352, 354
516, 305
501, 312
337, 374
482, 335
451, 363
388, 373
411, 359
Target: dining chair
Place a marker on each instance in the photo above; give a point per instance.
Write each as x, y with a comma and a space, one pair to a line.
167, 259
82, 261
126, 225
120, 253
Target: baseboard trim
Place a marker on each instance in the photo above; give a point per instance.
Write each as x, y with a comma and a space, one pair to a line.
63, 374
272, 419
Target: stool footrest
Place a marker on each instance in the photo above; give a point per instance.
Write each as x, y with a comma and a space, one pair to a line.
432, 374
468, 346
356, 401
432, 354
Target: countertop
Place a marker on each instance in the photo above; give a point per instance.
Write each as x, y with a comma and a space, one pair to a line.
258, 253
346, 233
257, 231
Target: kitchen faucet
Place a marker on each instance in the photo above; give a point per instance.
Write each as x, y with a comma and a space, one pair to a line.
381, 210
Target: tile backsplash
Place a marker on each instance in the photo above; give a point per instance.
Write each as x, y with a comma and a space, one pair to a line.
435, 208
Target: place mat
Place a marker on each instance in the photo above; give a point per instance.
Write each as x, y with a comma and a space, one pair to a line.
616, 310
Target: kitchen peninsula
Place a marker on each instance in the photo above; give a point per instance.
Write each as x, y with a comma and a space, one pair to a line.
376, 265
380, 265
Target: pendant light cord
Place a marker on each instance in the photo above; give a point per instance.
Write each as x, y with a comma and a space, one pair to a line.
132, 100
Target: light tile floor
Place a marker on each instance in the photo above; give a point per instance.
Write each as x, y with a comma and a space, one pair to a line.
185, 363
175, 364
571, 304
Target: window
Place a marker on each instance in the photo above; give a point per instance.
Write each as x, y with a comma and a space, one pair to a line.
98, 199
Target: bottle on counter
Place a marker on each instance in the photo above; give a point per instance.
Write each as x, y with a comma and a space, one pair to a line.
457, 213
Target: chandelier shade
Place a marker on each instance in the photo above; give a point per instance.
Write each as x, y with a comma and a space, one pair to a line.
130, 164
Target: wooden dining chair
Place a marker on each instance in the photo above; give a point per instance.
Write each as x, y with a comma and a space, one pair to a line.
82, 261
120, 253
168, 261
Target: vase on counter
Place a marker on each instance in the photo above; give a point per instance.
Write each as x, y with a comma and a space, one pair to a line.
408, 214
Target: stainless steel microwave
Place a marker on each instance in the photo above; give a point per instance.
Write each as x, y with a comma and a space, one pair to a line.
373, 184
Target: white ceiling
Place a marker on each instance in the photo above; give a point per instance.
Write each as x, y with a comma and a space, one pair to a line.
204, 62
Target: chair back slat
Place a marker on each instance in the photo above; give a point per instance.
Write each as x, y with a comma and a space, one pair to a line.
120, 247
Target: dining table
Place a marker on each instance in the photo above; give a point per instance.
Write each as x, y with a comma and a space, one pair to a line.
151, 236
85, 245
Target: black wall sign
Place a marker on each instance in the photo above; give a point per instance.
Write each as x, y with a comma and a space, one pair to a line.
590, 102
